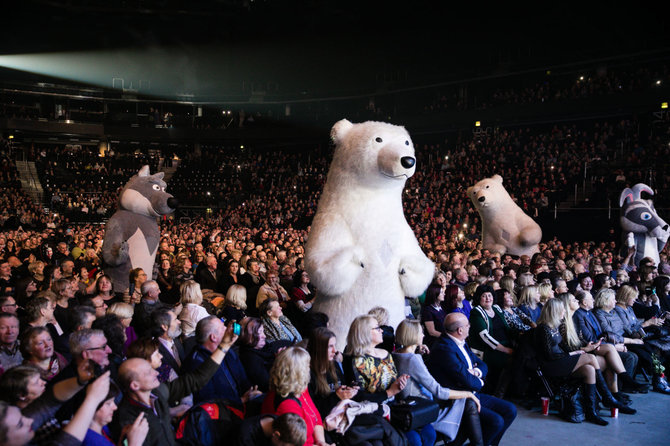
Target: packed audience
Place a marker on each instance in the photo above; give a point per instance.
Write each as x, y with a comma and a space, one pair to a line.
226, 315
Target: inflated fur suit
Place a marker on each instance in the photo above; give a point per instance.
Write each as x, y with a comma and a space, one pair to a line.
361, 252
132, 234
506, 229
641, 226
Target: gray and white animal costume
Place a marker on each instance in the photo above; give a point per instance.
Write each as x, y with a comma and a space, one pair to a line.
132, 234
641, 225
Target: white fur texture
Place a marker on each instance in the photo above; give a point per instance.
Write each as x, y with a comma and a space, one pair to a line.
505, 227
361, 252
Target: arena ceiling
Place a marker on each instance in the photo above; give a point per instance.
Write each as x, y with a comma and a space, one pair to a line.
320, 47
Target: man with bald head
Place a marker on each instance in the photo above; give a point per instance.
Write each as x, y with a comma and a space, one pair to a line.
453, 365
143, 393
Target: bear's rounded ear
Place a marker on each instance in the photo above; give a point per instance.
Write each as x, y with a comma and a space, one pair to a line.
469, 191
339, 130
497, 178
144, 171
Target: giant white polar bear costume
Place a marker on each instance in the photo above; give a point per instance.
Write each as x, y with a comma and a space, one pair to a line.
361, 252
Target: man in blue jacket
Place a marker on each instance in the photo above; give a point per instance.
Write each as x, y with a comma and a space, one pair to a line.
230, 380
453, 365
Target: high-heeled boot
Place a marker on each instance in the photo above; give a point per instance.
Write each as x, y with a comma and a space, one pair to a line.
607, 397
590, 411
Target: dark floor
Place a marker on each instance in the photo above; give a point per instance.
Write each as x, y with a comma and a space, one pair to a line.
649, 427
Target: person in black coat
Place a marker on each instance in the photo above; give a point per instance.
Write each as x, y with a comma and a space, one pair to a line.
256, 355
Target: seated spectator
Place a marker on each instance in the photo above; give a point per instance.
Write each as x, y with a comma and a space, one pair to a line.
145, 307
8, 305
82, 316
490, 334
125, 314
235, 304
252, 281
326, 384
22, 385
193, 311
517, 321
230, 380
229, 278
272, 289
454, 300
26, 288
98, 433
303, 291
144, 393
256, 355
65, 300
432, 314
375, 373
167, 328
37, 349
10, 353
207, 274
422, 383
388, 334
267, 430
16, 426
115, 334
277, 326
453, 365
104, 289
529, 302
166, 280
288, 393
545, 291
555, 361
133, 294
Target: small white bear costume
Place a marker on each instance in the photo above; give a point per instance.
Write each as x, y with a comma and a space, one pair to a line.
361, 252
505, 227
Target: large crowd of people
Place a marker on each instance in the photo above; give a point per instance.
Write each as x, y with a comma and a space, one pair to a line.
224, 322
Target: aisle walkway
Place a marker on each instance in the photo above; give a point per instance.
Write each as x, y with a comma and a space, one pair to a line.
649, 427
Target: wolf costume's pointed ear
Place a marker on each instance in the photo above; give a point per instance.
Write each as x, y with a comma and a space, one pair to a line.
641, 188
627, 195
159, 175
144, 171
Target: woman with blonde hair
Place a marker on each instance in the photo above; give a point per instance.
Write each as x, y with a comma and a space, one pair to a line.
125, 313
556, 361
235, 304
192, 311
529, 302
374, 372
409, 337
36, 270
546, 292
289, 378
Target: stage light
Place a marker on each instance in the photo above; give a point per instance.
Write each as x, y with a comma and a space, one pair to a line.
664, 105
478, 124
209, 193
581, 78
241, 147
11, 136
465, 225
552, 167
658, 82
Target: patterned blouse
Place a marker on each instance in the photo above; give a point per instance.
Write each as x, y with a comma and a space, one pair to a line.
374, 374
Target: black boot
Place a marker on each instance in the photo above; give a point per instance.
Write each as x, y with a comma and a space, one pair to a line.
660, 384
623, 398
630, 385
590, 405
607, 398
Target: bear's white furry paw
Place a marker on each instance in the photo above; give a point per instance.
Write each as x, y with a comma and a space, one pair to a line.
415, 274
335, 272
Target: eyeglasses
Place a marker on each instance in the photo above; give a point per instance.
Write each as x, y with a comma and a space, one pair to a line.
102, 347
378, 328
9, 305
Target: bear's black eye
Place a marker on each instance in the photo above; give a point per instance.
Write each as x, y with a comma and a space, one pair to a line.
378, 139
487, 186
406, 143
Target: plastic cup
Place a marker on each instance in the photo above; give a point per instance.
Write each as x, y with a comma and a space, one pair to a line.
545, 405
614, 412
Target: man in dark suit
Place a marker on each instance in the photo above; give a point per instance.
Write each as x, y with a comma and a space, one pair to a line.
453, 365
589, 330
167, 328
141, 321
207, 274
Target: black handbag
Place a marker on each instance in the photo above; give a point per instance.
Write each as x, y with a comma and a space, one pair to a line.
413, 412
571, 406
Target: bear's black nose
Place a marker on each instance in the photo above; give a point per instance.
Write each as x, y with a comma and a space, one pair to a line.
407, 162
173, 202
482, 199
